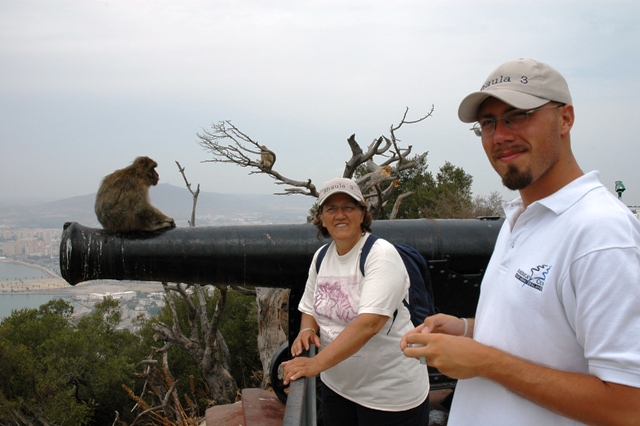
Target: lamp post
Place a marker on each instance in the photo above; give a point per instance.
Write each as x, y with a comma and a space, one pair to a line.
620, 188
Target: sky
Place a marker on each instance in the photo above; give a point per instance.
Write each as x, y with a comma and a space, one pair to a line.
86, 86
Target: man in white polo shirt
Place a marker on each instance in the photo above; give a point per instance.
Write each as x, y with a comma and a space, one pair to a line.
556, 338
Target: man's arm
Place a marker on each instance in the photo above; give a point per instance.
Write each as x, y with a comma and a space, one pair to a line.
582, 397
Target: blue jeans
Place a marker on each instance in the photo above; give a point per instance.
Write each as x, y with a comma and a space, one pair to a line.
339, 411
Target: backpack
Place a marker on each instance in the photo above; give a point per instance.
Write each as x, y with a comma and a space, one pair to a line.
420, 304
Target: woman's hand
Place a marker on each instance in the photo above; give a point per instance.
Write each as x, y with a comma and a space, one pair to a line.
348, 342
304, 340
300, 367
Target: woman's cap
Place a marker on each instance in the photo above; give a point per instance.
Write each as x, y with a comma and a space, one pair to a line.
340, 185
523, 84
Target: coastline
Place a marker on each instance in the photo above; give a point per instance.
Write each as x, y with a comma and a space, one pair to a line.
49, 272
56, 285
60, 286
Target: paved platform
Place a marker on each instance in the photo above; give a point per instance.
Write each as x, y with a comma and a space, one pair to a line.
263, 408
257, 408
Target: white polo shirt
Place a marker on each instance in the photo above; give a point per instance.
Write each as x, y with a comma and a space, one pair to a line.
562, 289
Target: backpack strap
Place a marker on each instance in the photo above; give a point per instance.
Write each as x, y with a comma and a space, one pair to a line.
366, 248
321, 255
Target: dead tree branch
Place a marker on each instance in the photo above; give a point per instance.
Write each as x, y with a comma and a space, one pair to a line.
396, 205
200, 338
245, 152
192, 222
389, 170
213, 356
161, 403
244, 291
385, 158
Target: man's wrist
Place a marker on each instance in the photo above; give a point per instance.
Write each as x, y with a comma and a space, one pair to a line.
466, 327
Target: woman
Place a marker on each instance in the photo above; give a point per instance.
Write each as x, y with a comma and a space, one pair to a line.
366, 380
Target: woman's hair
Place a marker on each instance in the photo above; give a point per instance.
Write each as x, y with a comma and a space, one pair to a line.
365, 226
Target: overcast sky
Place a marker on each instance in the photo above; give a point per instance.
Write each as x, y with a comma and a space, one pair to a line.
86, 86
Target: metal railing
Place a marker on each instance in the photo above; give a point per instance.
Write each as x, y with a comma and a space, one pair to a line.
301, 400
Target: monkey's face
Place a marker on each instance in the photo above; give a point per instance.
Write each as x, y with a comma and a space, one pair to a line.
145, 167
154, 177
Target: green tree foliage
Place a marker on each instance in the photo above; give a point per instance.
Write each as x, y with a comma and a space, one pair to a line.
417, 180
451, 198
239, 326
446, 196
54, 370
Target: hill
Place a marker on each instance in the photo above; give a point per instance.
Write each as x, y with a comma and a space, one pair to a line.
176, 202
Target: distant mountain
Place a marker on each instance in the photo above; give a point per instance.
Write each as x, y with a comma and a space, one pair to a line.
176, 202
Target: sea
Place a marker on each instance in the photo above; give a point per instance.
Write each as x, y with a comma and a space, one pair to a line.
9, 302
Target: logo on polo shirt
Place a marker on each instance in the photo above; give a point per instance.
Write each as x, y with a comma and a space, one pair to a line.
537, 277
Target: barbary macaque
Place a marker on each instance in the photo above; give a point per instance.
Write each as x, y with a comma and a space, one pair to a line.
267, 158
122, 202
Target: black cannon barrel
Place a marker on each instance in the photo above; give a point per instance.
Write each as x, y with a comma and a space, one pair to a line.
457, 251
261, 255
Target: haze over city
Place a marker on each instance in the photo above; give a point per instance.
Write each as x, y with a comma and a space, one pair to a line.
86, 86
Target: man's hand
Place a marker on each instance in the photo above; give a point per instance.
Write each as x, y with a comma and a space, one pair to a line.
582, 397
447, 324
455, 356
440, 341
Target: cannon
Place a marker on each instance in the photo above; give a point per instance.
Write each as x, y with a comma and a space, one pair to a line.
456, 250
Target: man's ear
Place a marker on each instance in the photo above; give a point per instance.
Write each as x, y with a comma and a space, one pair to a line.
567, 117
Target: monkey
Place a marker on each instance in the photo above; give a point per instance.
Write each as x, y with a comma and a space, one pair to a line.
122, 202
267, 158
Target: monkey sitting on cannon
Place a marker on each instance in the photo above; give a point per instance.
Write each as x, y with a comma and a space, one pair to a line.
122, 202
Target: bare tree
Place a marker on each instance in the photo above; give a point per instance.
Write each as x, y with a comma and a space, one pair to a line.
212, 356
396, 205
202, 341
163, 406
490, 205
273, 323
384, 160
452, 205
192, 222
245, 152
